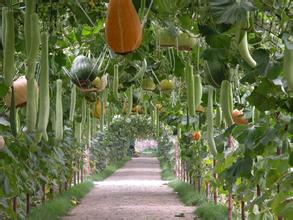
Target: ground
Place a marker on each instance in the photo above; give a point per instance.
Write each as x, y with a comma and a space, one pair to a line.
134, 192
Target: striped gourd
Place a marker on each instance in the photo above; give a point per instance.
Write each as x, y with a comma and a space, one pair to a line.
31, 105
59, 112
210, 124
197, 90
9, 48
225, 101
44, 102
190, 90
116, 82
130, 100
72, 103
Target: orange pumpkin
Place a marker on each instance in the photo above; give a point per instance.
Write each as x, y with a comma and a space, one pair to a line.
20, 89
238, 118
2, 142
196, 136
123, 27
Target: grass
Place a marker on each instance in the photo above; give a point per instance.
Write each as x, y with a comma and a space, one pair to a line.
206, 210
62, 203
210, 211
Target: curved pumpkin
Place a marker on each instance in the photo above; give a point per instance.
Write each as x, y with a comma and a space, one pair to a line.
123, 27
2, 142
238, 118
167, 85
20, 89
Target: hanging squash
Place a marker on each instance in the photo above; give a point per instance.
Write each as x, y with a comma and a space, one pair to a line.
20, 89
123, 27
148, 84
97, 109
167, 85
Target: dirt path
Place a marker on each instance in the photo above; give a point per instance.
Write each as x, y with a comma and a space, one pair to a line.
134, 192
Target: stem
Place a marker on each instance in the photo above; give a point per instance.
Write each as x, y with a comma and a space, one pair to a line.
230, 206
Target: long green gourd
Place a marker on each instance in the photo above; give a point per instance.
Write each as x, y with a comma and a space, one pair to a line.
210, 124
89, 129
157, 123
102, 117
83, 111
59, 112
31, 105
288, 62
190, 90
9, 48
72, 103
30, 6
116, 82
130, 100
197, 90
218, 118
78, 131
225, 101
44, 102
4, 9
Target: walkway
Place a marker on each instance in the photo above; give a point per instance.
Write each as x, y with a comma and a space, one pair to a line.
134, 192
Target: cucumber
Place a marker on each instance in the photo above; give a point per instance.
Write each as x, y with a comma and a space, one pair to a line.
72, 103
210, 126
116, 82
225, 101
218, 118
130, 99
197, 90
190, 90
9, 48
31, 105
44, 103
59, 112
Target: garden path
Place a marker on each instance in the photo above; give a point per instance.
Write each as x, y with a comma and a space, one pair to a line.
134, 192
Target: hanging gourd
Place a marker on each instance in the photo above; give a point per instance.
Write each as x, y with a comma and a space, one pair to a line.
167, 85
123, 27
148, 84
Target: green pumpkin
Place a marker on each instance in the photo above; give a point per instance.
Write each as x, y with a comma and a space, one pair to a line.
82, 70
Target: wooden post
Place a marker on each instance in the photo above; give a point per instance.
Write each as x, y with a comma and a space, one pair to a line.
242, 210
14, 204
230, 206
27, 203
215, 190
207, 190
44, 193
